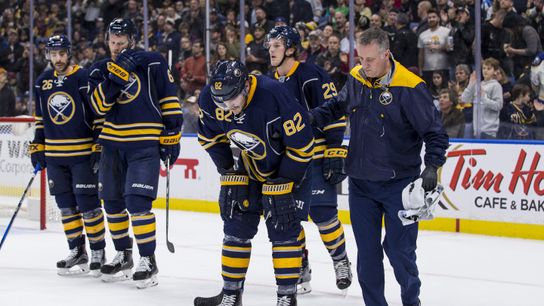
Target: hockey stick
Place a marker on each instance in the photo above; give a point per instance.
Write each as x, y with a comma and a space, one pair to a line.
169, 244
38, 168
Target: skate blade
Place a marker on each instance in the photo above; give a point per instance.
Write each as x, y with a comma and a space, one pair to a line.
120, 276
304, 288
147, 283
344, 292
96, 273
80, 270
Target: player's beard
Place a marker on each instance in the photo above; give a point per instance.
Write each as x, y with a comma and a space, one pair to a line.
61, 67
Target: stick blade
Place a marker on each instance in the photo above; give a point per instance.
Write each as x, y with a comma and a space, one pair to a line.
170, 247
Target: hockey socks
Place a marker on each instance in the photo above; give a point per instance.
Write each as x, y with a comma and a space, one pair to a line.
95, 229
332, 234
235, 261
118, 224
287, 260
143, 225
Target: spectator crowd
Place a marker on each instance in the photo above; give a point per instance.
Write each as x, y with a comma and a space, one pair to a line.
434, 39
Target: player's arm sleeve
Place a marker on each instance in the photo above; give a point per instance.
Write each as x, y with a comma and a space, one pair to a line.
320, 91
211, 137
39, 136
172, 116
102, 91
424, 117
332, 109
298, 140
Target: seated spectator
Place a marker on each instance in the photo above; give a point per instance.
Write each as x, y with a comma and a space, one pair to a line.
190, 114
404, 47
462, 73
193, 71
439, 83
257, 55
503, 79
490, 99
220, 55
520, 115
538, 108
7, 98
525, 43
452, 117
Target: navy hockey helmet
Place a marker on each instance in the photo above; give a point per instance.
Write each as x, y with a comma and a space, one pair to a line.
290, 36
122, 26
228, 81
58, 42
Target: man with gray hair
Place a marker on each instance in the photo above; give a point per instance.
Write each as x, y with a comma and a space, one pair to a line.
391, 114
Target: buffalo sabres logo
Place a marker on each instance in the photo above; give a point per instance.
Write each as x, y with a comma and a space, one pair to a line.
249, 143
61, 107
385, 97
131, 90
237, 73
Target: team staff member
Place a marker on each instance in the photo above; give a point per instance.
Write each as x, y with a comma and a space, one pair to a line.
136, 94
64, 141
391, 115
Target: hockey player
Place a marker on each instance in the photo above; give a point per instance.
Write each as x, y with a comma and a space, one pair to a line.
311, 85
136, 93
65, 143
391, 115
259, 116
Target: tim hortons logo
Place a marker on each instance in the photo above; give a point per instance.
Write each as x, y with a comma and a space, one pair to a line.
467, 174
190, 167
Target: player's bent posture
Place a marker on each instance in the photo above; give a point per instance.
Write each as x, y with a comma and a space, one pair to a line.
259, 116
136, 93
64, 141
311, 86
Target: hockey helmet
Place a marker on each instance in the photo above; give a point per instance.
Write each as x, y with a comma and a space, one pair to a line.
122, 26
290, 36
418, 204
228, 81
58, 42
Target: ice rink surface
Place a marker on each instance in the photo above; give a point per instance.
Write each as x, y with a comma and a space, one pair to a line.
456, 269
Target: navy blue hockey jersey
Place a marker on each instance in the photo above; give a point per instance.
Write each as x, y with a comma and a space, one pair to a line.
312, 86
136, 115
272, 132
64, 121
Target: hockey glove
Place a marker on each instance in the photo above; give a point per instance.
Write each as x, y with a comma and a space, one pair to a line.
334, 165
430, 178
95, 156
120, 70
233, 194
279, 205
37, 155
169, 145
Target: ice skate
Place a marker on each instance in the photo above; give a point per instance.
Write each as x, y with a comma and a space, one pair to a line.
342, 269
229, 298
120, 268
98, 258
75, 263
287, 300
146, 272
303, 285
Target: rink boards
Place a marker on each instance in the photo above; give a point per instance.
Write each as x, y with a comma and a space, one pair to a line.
490, 188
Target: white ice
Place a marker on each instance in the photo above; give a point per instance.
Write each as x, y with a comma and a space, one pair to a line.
456, 269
